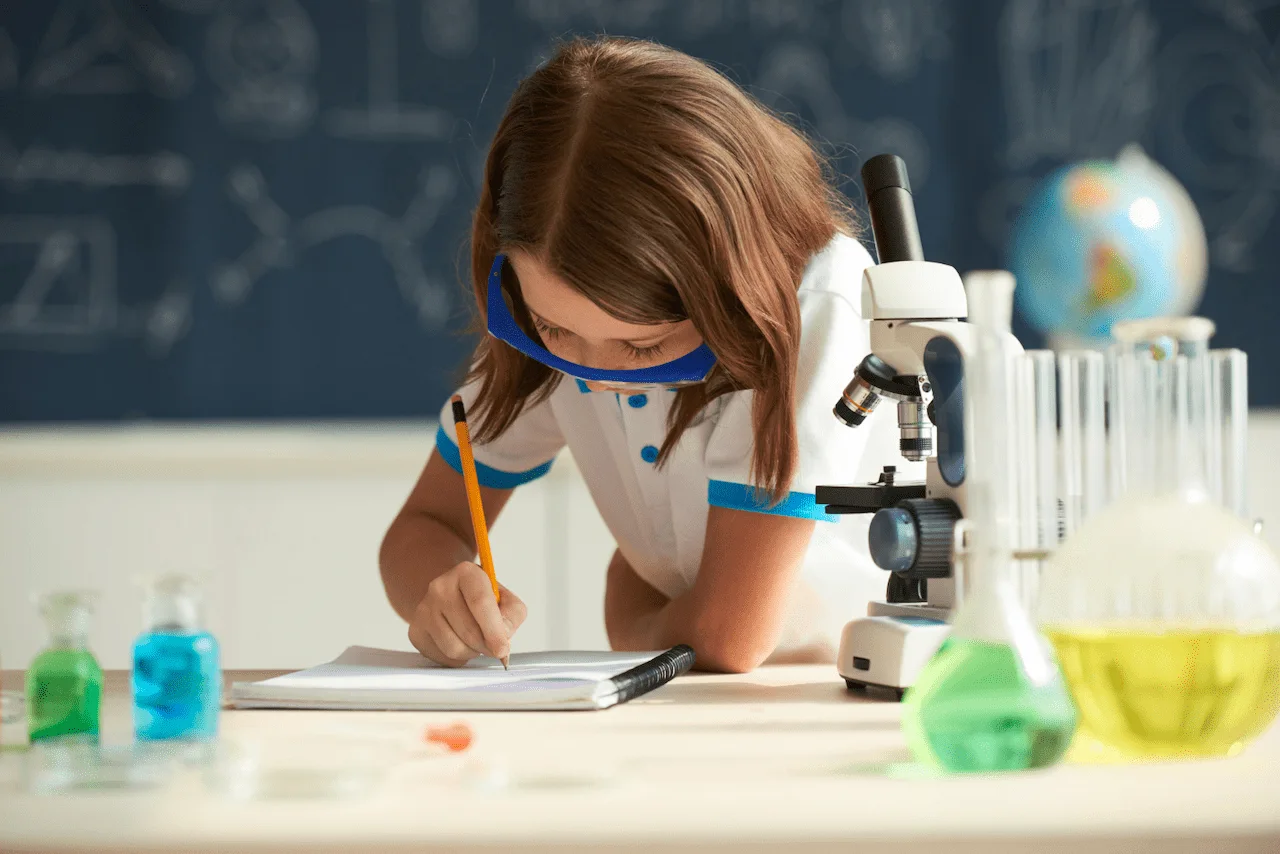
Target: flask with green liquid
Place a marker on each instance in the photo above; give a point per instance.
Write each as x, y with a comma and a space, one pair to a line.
992, 698
64, 682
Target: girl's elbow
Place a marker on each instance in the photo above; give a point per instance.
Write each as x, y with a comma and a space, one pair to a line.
731, 655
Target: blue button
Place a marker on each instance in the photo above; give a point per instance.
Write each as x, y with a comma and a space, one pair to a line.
649, 454
637, 400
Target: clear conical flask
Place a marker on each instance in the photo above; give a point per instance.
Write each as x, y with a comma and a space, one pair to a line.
1165, 608
992, 699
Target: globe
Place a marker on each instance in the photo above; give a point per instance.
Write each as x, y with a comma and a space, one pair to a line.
1106, 240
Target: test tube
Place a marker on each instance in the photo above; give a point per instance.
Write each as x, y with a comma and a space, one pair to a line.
1166, 384
1036, 432
1116, 444
1141, 437
1230, 372
1083, 451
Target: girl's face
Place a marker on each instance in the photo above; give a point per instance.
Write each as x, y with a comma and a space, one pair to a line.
574, 328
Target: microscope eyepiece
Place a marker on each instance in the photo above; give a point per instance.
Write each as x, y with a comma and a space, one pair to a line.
893, 213
884, 170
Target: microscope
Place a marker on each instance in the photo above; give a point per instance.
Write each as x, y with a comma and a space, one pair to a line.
919, 344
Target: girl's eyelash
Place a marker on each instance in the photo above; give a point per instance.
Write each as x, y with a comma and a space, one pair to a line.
638, 353
547, 329
645, 352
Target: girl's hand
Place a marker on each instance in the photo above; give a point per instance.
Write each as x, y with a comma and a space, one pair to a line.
459, 619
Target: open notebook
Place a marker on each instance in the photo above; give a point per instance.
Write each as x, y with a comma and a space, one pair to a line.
365, 678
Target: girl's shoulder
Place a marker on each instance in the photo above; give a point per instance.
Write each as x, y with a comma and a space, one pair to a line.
836, 269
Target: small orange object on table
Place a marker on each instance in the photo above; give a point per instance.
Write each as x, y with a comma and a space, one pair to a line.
456, 736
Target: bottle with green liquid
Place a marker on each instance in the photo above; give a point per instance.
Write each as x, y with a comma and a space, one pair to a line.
992, 698
64, 682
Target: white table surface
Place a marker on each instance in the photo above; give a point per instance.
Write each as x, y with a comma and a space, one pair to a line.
781, 759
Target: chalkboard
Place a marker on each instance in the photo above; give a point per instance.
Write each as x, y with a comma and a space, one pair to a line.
259, 208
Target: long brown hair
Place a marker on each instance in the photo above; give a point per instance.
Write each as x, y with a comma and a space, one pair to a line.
661, 191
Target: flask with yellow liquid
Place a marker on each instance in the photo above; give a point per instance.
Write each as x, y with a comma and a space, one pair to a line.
1164, 608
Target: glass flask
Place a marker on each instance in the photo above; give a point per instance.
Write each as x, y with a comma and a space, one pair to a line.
177, 681
64, 682
1165, 608
992, 698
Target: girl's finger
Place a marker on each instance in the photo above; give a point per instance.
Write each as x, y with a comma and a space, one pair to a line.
478, 593
465, 627
513, 608
447, 640
423, 643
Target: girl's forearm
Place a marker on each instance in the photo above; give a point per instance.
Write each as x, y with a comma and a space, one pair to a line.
630, 604
415, 550
638, 617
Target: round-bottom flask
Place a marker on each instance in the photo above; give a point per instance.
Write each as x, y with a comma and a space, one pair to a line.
1165, 614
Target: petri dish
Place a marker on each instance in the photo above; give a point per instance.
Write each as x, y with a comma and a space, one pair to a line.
288, 768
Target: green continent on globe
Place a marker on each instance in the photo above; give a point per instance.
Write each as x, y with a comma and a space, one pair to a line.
1111, 279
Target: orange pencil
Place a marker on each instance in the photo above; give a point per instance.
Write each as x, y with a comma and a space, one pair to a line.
473, 498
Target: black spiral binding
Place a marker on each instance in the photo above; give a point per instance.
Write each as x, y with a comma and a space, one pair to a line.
655, 672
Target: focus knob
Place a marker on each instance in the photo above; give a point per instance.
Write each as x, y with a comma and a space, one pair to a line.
914, 538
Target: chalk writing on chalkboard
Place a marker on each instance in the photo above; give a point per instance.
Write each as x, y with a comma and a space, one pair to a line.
895, 37
106, 48
281, 239
59, 291
20, 169
450, 27
1078, 78
1077, 81
262, 55
65, 285
798, 75
384, 117
1220, 96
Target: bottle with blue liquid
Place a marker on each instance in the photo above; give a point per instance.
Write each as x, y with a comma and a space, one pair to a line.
177, 678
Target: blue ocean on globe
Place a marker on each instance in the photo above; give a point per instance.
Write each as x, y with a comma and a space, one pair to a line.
1101, 241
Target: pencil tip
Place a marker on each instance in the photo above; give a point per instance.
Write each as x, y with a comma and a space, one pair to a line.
506, 662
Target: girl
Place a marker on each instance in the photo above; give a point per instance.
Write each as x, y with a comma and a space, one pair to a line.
671, 290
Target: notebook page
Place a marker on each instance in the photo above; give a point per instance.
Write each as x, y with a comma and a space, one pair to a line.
364, 669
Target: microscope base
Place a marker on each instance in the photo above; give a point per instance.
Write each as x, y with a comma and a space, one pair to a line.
888, 651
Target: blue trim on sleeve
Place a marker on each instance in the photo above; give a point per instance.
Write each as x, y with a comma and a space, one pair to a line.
739, 496
490, 477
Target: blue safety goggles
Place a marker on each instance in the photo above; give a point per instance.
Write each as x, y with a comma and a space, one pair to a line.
690, 368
